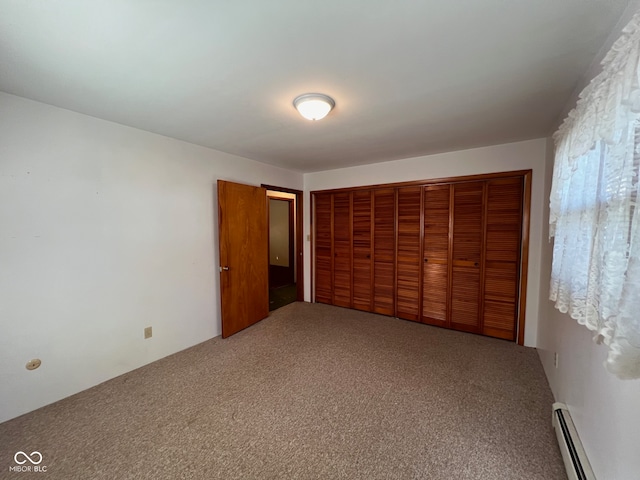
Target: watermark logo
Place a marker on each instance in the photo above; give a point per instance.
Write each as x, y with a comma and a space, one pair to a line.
28, 458
28, 463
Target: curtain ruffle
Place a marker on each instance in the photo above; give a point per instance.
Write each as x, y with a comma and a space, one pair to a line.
602, 106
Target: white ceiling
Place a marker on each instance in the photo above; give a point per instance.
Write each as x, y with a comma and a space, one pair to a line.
409, 77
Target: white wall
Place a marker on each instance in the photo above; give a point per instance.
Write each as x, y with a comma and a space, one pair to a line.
606, 410
499, 158
104, 230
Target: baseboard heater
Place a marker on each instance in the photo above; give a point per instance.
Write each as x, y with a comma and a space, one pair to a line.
574, 457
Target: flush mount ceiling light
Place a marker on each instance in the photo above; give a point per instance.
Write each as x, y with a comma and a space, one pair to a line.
314, 106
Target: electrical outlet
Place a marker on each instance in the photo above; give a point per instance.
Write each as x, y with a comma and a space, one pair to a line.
148, 332
555, 360
33, 364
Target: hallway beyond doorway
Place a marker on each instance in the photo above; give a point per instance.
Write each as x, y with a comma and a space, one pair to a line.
281, 296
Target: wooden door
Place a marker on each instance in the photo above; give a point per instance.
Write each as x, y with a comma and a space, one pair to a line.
342, 249
467, 257
362, 258
408, 253
244, 255
323, 244
384, 250
502, 257
436, 263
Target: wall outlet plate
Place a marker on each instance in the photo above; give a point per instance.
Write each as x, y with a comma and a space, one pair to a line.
148, 332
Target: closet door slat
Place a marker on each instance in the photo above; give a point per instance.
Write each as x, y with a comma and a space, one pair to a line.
323, 248
408, 257
502, 257
467, 255
342, 267
362, 255
435, 261
384, 251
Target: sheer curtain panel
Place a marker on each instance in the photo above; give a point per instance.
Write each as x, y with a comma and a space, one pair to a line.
594, 220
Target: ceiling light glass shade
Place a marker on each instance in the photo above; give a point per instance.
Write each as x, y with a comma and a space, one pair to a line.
314, 106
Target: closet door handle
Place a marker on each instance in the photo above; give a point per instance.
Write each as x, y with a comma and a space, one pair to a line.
426, 260
475, 264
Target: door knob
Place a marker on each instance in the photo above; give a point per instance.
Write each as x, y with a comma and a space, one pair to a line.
226, 269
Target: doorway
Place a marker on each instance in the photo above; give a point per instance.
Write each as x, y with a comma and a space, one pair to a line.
281, 247
285, 246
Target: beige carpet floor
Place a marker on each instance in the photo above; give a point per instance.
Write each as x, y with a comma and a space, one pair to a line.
312, 392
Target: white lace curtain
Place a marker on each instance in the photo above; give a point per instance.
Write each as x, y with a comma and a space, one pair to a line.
594, 218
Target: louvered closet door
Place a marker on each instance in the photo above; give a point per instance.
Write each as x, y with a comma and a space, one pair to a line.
467, 255
362, 258
435, 265
502, 257
408, 253
384, 251
323, 248
342, 249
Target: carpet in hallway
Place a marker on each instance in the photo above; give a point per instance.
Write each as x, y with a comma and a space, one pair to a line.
281, 296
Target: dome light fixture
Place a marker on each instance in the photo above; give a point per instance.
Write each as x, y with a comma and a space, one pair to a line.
314, 106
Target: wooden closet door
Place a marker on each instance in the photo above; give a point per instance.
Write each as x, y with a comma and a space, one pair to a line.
502, 257
342, 249
408, 253
323, 247
468, 231
362, 258
435, 265
384, 249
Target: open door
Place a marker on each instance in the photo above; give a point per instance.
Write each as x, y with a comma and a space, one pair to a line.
244, 255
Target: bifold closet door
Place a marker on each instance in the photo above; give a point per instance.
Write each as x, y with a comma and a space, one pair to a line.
467, 256
435, 262
445, 254
342, 249
408, 252
502, 257
384, 249
323, 204
362, 254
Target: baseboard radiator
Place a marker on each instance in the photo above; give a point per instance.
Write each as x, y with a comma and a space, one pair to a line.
574, 457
